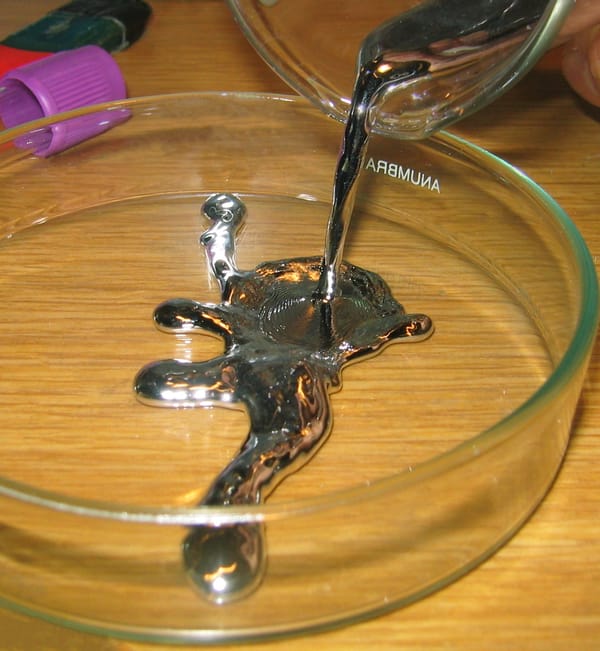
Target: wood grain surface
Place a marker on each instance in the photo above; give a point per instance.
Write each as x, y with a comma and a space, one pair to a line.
541, 592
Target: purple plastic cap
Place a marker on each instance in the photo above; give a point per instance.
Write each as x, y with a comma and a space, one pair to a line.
62, 82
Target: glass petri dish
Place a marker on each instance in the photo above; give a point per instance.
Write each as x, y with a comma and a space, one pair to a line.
439, 451
313, 46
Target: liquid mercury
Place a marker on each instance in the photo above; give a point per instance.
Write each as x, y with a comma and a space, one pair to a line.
289, 327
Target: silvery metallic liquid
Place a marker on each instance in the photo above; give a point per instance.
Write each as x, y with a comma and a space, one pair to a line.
290, 326
371, 83
284, 352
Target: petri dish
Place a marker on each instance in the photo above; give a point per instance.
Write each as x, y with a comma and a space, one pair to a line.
439, 450
313, 47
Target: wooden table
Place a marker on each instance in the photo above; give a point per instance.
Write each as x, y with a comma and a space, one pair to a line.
541, 591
